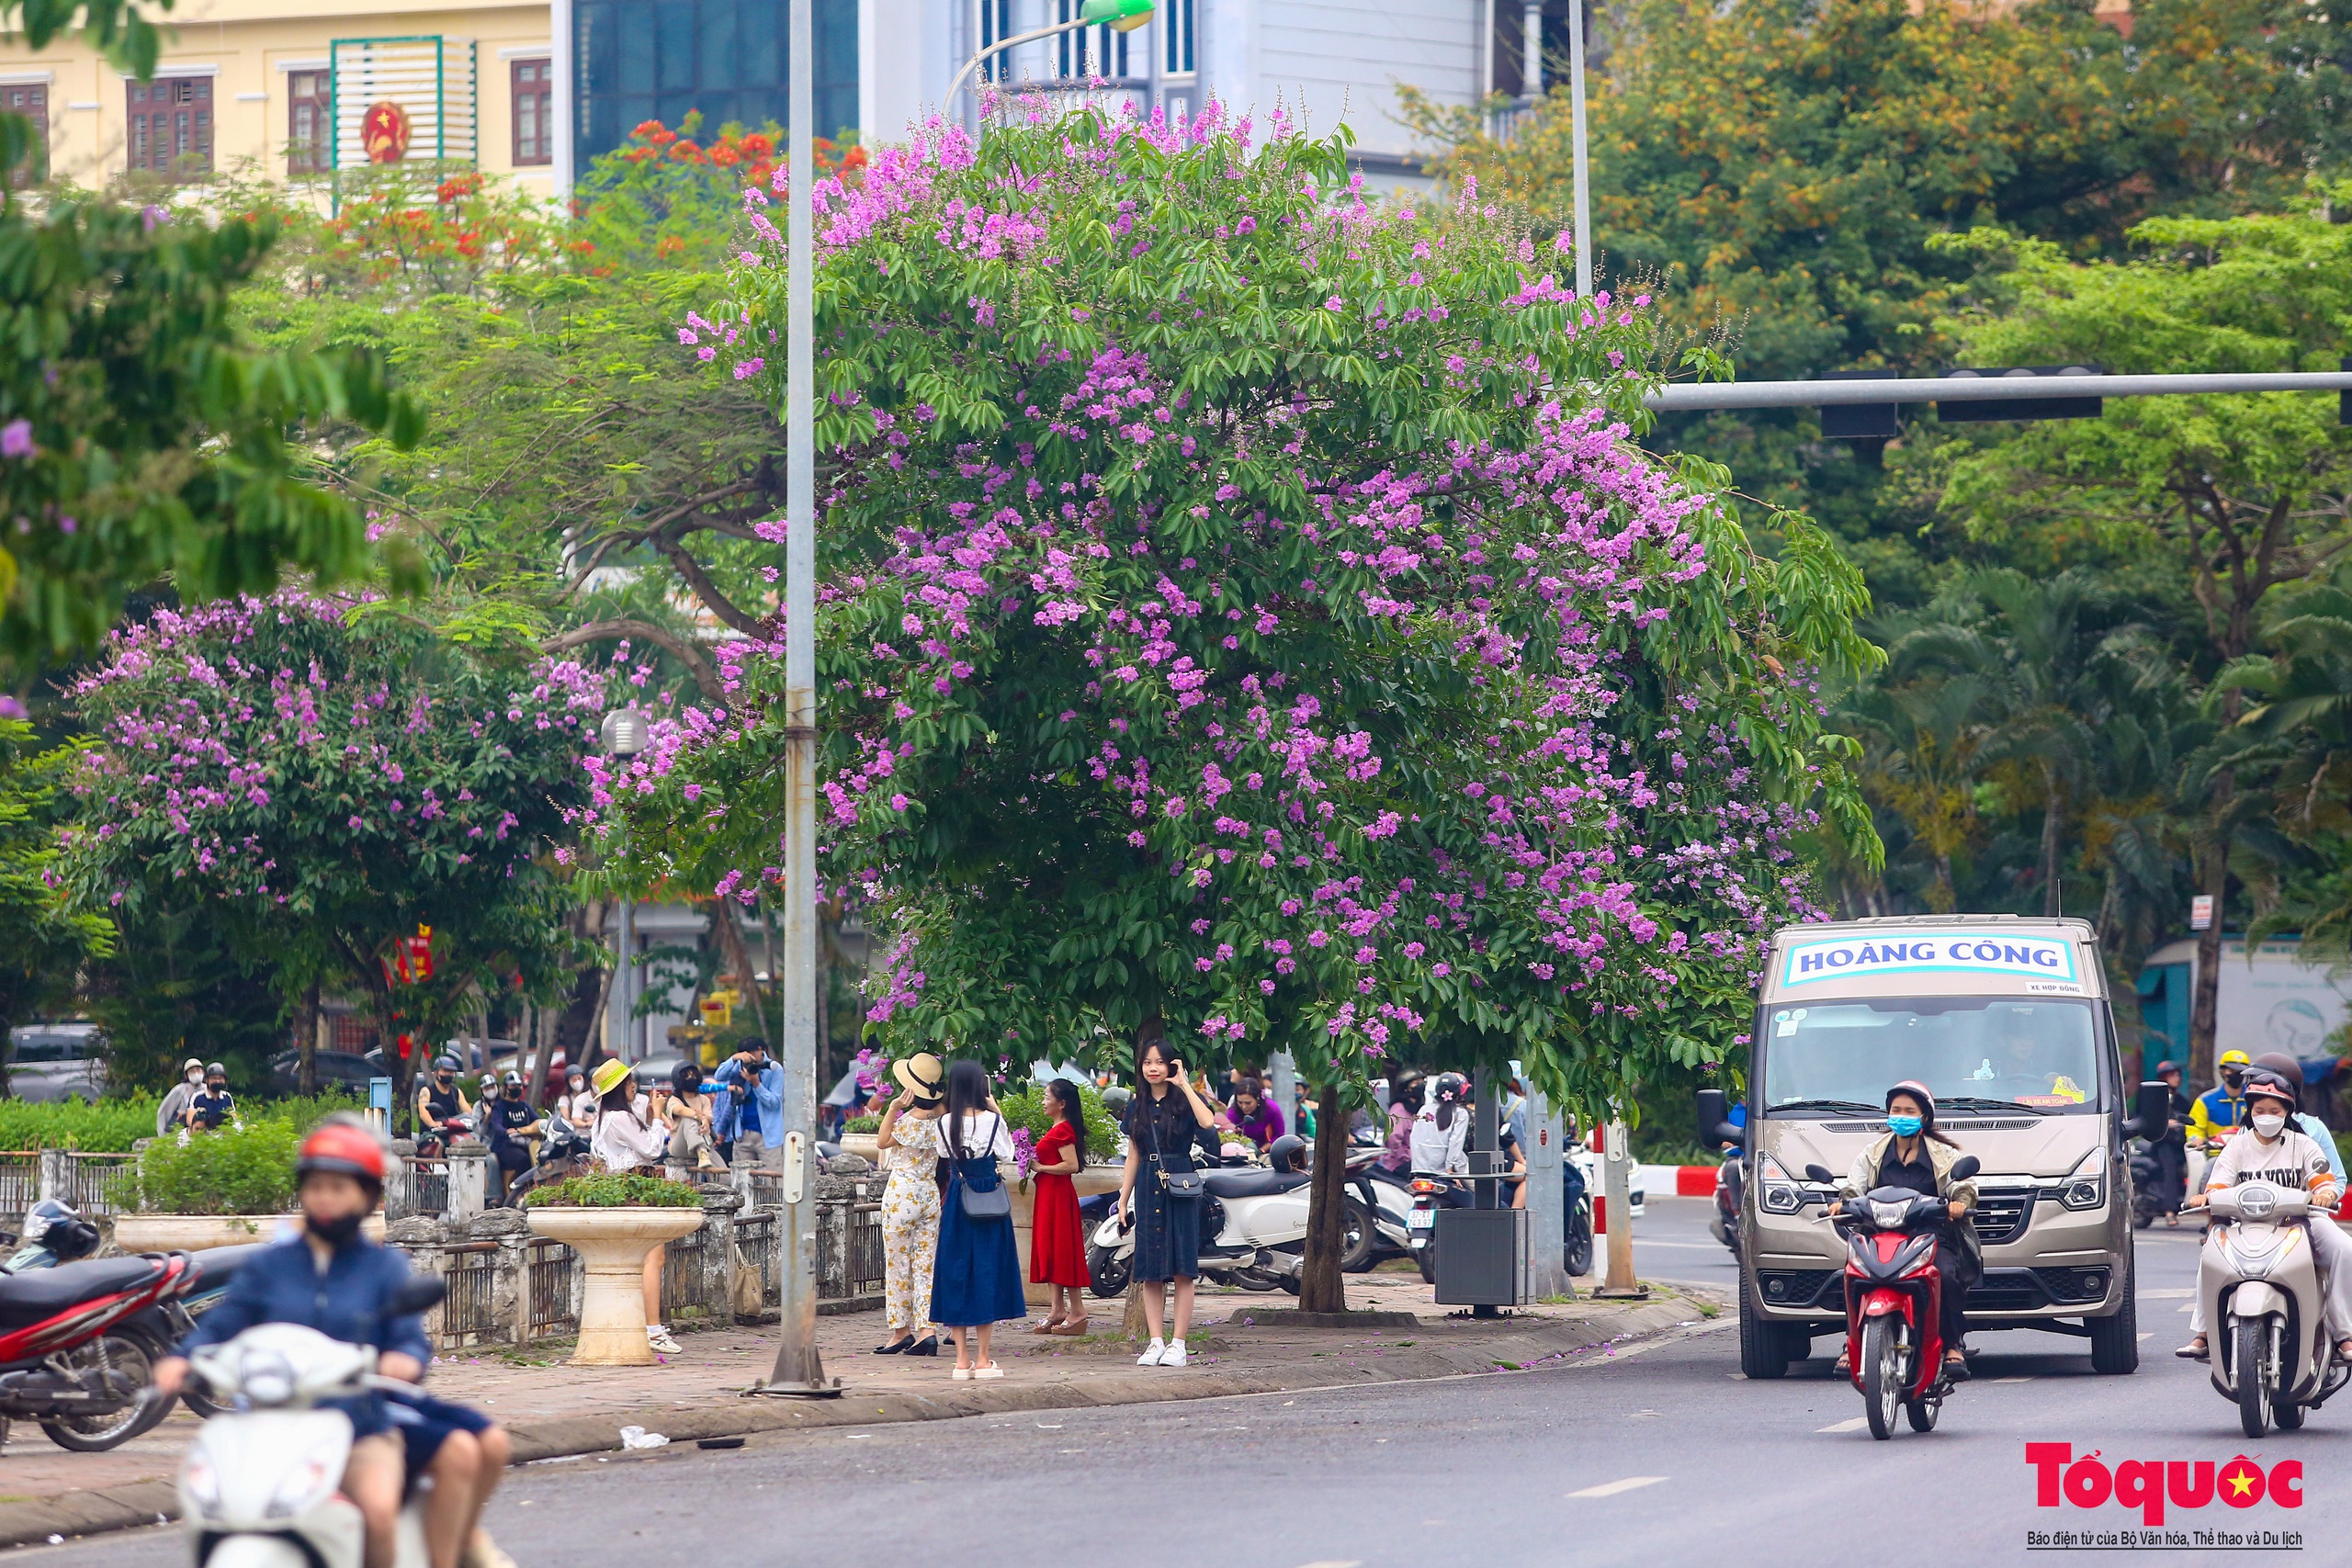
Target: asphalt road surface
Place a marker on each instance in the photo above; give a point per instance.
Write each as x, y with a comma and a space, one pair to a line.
1659, 1456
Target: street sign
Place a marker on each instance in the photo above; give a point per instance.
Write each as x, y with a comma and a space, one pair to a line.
2200, 912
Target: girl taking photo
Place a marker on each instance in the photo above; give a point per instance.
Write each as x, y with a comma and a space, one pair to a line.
1159, 1191
911, 1203
1058, 1239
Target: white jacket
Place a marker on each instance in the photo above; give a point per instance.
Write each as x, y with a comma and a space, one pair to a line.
1441, 1150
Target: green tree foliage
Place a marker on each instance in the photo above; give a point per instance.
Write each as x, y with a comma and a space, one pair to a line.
43, 939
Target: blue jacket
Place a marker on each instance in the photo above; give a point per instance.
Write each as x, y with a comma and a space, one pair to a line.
283, 1284
766, 1094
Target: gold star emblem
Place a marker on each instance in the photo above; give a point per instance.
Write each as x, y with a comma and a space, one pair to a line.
2241, 1482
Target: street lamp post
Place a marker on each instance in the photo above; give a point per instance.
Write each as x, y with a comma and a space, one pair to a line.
625, 733
1120, 15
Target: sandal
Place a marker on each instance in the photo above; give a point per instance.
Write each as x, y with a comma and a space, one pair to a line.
2195, 1350
990, 1371
1051, 1325
1074, 1327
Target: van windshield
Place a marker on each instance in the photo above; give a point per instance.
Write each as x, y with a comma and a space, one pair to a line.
1973, 1053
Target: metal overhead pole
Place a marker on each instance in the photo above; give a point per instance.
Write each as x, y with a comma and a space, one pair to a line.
1583, 165
799, 1370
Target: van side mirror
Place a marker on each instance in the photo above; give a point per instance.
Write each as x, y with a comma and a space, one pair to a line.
2151, 1112
1965, 1167
1714, 1125
1820, 1173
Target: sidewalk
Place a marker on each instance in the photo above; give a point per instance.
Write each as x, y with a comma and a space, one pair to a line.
554, 1410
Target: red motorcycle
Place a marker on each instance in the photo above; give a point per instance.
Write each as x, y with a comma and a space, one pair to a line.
77, 1356
1894, 1338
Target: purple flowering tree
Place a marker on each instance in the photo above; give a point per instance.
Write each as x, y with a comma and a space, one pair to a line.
330, 782
1246, 619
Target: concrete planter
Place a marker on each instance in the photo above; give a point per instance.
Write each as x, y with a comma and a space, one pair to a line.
611, 1244
197, 1233
1089, 1180
865, 1146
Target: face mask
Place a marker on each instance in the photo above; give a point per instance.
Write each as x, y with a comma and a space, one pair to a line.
197, 1077
1904, 1126
334, 1232
2268, 1125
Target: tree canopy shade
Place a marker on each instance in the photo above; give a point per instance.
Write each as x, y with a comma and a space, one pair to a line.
1245, 615
43, 938
330, 781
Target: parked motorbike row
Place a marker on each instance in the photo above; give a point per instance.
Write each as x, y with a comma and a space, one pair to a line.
79, 1337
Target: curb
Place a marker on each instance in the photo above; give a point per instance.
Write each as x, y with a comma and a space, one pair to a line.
147, 1503
1676, 1180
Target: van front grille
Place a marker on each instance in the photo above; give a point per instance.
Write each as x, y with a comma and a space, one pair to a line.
2008, 1289
2001, 1216
1801, 1286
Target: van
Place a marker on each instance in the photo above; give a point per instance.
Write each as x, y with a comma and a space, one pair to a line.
63, 1059
2006, 1022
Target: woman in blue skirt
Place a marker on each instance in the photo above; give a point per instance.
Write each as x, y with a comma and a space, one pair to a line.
977, 1280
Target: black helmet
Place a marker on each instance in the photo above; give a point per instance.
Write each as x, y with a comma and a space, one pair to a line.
215, 1070
2271, 1086
1288, 1152
511, 1078
2167, 1067
1452, 1088
2286, 1066
686, 1077
445, 1064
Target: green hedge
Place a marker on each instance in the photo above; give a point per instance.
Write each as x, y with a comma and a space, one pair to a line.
111, 1126
237, 1171
611, 1190
1027, 1108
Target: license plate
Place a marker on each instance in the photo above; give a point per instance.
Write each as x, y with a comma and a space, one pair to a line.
1422, 1219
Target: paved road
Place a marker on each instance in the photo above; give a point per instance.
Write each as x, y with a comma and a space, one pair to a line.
1662, 1456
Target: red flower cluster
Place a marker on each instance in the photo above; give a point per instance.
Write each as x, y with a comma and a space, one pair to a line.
753, 154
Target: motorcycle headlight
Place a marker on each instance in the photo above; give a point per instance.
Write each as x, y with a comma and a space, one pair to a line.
2255, 1199
203, 1487
297, 1492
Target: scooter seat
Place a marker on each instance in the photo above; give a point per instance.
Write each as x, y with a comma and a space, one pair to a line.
1255, 1183
212, 1269
41, 1294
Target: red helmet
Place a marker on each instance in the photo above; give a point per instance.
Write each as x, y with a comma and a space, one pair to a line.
344, 1148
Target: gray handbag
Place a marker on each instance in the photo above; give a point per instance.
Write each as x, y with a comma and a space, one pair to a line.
996, 1204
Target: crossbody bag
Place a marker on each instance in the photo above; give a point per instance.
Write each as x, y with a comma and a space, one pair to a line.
1181, 1186
996, 1204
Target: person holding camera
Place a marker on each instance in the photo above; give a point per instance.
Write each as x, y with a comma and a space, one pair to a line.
748, 1115
1161, 1190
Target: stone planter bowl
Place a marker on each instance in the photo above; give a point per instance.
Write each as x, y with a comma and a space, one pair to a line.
613, 1243
199, 1232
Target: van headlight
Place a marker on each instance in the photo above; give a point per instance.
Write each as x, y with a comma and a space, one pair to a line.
1776, 1194
2086, 1188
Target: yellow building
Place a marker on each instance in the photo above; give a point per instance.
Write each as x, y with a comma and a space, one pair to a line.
300, 88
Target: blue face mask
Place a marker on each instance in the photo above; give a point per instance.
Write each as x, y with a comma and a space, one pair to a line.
1904, 1126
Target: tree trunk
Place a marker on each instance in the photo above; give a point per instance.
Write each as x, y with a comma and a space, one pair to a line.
308, 1040
730, 938
2052, 820
1133, 1320
1322, 1286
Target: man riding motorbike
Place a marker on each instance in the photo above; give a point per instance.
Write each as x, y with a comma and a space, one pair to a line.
440, 1103
2221, 1111
2171, 1150
333, 1279
2273, 1149
1914, 1155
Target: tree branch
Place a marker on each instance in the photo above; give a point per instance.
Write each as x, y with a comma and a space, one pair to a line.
707, 590
705, 675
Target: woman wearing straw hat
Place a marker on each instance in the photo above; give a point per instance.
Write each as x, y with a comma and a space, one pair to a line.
626, 1138
911, 1203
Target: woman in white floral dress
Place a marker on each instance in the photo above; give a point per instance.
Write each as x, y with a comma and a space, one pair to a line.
911, 1206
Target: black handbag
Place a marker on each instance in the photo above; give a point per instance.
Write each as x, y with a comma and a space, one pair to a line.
996, 1204
1181, 1186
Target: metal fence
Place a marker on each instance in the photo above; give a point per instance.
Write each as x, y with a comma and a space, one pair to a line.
551, 1270
88, 1180
429, 1186
19, 1184
468, 1314
756, 1242
849, 1249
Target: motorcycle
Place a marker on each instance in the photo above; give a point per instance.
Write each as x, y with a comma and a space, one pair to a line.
1894, 1338
1386, 1197
260, 1485
1433, 1193
78, 1344
1253, 1227
2272, 1353
1724, 1225
562, 1148
2147, 1185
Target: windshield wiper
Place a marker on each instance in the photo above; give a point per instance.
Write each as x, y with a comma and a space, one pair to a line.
1847, 1107
1975, 1102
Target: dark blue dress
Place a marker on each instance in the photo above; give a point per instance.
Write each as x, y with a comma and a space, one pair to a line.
1168, 1232
977, 1277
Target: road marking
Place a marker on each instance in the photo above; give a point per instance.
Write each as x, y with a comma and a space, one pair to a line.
1856, 1425
2009, 1380
2167, 1295
2147, 1336
1335, 1563
1611, 1488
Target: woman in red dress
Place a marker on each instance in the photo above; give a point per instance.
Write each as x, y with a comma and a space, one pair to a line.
1057, 1241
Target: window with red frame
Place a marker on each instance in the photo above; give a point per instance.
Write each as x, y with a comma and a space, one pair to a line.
534, 112
171, 125
310, 101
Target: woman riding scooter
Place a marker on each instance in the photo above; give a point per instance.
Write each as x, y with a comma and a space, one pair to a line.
1914, 1155
2273, 1149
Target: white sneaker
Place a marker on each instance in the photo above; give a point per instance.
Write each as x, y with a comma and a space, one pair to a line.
1173, 1356
659, 1338
1155, 1354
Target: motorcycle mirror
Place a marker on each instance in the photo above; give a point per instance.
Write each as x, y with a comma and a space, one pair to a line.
1818, 1173
419, 1292
1714, 1125
1965, 1167
2151, 1112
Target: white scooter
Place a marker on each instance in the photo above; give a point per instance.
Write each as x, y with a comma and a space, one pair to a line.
1253, 1227
2259, 1283
260, 1486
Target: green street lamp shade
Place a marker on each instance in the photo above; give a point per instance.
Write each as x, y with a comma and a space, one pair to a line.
1124, 16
